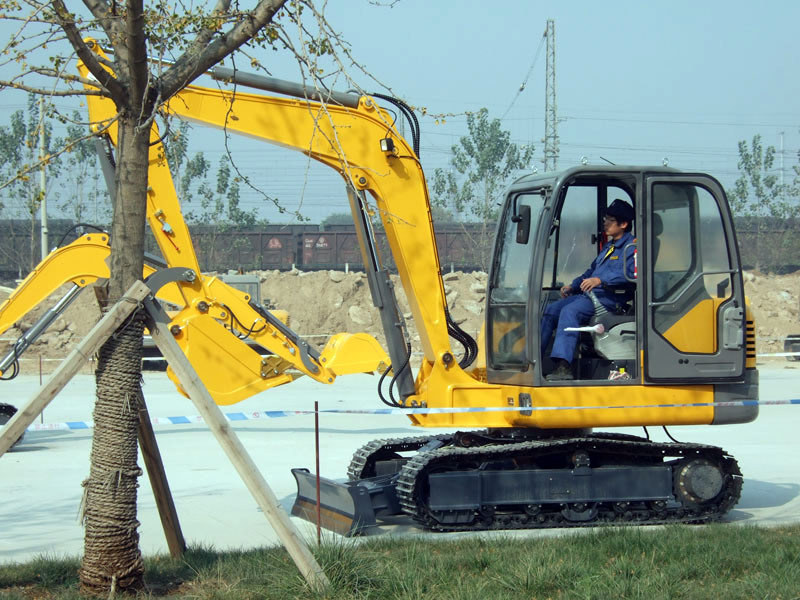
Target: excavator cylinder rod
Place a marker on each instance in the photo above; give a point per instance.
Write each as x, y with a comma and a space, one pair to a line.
281, 86
39, 328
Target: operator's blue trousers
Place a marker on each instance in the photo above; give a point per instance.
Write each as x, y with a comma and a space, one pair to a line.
572, 311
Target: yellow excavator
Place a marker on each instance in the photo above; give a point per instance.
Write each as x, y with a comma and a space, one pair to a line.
682, 335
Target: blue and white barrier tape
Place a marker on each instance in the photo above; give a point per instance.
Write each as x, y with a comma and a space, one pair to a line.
274, 414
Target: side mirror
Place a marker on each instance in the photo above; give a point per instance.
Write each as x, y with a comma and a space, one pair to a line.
523, 221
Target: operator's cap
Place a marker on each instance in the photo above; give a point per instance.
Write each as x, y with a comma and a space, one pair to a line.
620, 210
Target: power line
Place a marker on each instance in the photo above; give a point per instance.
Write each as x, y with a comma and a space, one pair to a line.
670, 122
527, 76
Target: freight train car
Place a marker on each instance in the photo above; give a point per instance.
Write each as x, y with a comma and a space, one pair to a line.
765, 245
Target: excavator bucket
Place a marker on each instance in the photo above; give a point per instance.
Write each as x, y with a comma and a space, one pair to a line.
348, 508
347, 353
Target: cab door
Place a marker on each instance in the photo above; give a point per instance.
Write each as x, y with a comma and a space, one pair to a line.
694, 304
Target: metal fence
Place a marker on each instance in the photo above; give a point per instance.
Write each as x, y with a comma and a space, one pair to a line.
765, 244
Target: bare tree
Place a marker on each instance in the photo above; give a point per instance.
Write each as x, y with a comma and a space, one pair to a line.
202, 38
155, 49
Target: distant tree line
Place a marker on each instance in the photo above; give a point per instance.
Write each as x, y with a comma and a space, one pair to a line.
765, 203
466, 195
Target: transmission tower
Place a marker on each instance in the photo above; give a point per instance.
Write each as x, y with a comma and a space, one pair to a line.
550, 121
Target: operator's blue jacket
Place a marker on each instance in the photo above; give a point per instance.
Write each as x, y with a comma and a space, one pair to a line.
608, 267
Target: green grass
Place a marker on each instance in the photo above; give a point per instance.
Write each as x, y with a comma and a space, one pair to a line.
720, 561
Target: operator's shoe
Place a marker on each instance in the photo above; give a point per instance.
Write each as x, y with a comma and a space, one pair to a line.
562, 373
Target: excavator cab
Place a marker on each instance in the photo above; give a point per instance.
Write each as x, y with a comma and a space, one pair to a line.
680, 317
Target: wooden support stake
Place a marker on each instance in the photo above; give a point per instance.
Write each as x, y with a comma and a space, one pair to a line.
158, 482
72, 363
236, 452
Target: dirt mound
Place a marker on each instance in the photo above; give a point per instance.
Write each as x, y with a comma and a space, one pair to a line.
774, 302
321, 303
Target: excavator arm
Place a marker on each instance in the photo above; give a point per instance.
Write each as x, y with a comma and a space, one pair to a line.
348, 139
214, 321
80, 263
356, 137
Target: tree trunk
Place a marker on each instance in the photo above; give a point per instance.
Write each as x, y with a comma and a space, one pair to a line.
112, 560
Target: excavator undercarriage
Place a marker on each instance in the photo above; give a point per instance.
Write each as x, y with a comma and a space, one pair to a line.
520, 479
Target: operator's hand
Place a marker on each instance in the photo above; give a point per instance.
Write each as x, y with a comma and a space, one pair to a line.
590, 283
566, 290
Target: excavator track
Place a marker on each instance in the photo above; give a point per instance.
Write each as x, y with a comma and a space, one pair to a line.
523, 479
363, 463
696, 470
365, 459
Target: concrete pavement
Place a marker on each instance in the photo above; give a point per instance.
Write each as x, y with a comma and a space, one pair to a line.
41, 478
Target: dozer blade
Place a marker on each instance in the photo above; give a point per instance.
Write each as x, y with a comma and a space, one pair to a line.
345, 508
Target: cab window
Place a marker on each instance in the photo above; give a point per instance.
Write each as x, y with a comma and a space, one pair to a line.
691, 265
509, 292
576, 237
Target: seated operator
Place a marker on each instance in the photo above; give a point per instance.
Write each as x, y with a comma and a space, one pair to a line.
576, 310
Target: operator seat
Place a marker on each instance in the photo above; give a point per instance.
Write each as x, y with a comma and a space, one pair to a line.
617, 342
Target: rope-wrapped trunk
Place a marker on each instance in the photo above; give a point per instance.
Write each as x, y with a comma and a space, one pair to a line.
112, 560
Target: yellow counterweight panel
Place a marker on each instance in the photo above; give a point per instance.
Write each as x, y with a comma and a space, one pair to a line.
453, 388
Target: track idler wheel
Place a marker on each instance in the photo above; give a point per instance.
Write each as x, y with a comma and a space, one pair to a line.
698, 481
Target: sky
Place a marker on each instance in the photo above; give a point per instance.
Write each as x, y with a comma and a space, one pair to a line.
636, 83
